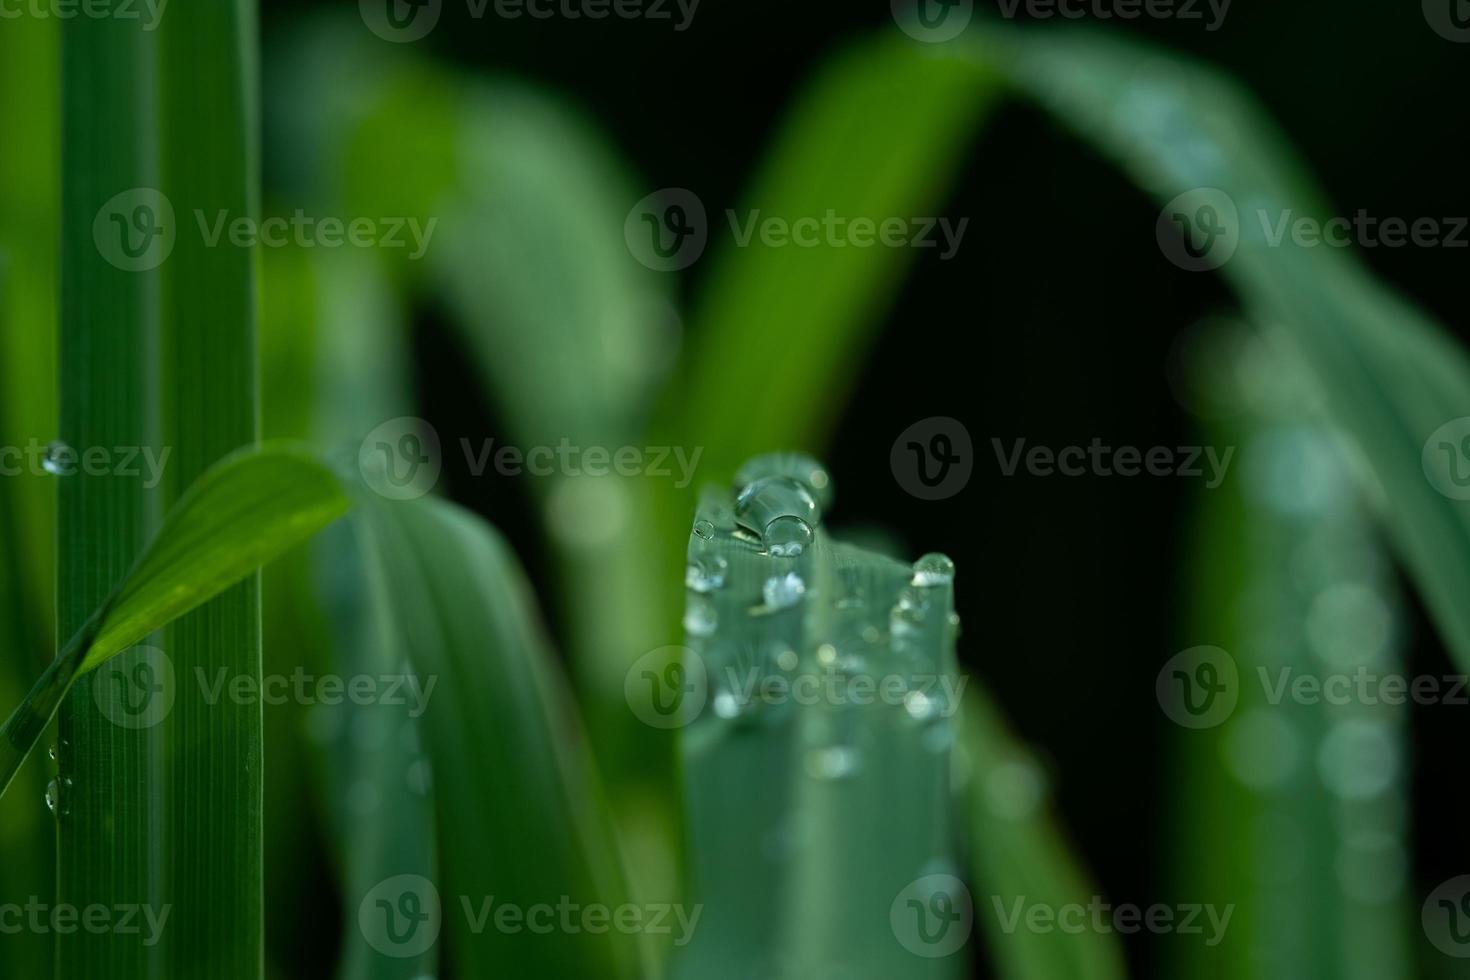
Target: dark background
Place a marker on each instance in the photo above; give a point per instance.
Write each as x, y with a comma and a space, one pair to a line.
1053, 323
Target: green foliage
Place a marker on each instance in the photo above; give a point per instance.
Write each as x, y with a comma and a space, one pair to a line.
250, 508
1021, 858
509, 759
776, 779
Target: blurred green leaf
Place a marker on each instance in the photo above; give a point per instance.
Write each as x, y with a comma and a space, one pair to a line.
1021, 859
1302, 802
520, 818
879, 133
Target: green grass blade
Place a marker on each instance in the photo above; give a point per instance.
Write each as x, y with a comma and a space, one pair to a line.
207, 81
879, 134
569, 335
249, 508
519, 814
1317, 788
376, 776
793, 881
109, 849
243, 513
28, 295
1021, 859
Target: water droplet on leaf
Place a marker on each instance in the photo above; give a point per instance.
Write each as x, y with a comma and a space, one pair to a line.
933, 570
787, 536
706, 573
783, 591
60, 459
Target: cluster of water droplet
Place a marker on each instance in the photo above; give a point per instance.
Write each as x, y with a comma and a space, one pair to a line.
780, 499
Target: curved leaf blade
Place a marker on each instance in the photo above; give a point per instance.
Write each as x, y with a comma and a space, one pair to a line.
245, 511
520, 817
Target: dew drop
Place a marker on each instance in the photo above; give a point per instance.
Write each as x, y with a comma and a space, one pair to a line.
727, 705
933, 570
783, 591
920, 706
59, 460
834, 762
53, 753
787, 659
799, 467
58, 796
700, 618
787, 536
704, 529
906, 615
783, 502
706, 573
